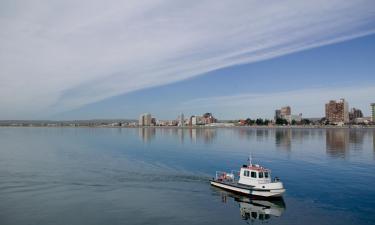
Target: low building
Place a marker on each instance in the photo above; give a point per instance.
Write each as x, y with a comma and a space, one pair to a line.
209, 118
286, 114
295, 118
362, 120
355, 113
197, 120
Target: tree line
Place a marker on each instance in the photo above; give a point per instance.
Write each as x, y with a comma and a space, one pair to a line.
279, 121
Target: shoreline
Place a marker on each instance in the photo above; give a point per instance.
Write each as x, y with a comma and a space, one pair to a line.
196, 127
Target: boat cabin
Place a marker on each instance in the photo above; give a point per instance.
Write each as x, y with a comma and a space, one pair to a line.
254, 174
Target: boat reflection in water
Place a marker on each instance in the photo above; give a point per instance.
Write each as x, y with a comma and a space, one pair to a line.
259, 209
254, 208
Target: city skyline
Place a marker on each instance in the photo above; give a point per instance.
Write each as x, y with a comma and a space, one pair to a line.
245, 59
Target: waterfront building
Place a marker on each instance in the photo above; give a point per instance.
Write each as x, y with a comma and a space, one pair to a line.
286, 114
145, 119
285, 111
197, 120
153, 121
373, 112
181, 120
277, 114
362, 120
296, 118
355, 113
208, 118
337, 111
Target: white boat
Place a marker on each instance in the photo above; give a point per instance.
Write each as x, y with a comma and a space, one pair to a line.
253, 180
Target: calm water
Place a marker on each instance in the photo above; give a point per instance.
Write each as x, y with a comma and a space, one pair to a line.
160, 176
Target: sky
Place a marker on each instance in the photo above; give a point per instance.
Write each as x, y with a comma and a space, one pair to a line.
236, 59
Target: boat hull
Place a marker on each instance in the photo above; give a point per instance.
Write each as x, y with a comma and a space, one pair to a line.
248, 190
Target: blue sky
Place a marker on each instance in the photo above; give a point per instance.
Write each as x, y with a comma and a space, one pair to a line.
337, 67
94, 59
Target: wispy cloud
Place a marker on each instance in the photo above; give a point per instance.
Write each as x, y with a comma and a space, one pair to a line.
60, 55
310, 102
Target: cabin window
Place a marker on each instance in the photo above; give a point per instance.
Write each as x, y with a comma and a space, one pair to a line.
246, 173
253, 174
260, 174
266, 174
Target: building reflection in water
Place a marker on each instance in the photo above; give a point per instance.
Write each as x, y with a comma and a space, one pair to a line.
356, 139
283, 139
193, 135
337, 141
255, 209
340, 141
181, 135
246, 133
208, 135
147, 134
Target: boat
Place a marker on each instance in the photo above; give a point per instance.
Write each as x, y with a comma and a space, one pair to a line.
252, 179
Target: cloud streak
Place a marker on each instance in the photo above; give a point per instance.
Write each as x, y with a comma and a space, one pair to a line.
60, 55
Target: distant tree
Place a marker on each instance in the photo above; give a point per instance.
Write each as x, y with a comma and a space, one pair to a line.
323, 121
259, 122
266, 122
305, 122
294, 122
249, 121
280, 121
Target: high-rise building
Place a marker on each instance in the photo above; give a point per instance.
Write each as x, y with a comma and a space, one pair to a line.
145, 119
181, 120
285, 111
373, 112
277, 114
337, 111
355, 113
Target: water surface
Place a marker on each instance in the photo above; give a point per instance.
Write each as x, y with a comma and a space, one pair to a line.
160, 176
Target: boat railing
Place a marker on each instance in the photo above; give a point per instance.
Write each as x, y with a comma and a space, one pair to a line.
236, 174
225, 176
